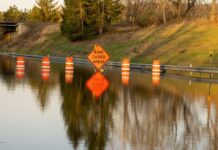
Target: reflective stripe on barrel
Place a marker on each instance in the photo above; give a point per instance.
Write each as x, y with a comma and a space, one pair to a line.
20, 67
156, 67
45, 68
125, 71
156, 70
69, 69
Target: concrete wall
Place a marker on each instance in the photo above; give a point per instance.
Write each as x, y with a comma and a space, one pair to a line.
21, 29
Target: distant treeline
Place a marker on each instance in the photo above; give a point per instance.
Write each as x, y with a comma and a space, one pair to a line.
83, 19
42, 11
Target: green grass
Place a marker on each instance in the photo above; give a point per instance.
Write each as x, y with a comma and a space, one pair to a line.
177, 44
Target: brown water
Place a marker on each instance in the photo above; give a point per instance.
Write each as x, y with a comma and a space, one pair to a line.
53, 115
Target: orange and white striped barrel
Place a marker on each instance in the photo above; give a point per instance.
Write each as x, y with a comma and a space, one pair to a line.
156, 70
125, 71
20, 67
69, 69
45, 68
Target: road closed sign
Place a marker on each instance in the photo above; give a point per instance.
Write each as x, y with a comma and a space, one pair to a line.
98, 57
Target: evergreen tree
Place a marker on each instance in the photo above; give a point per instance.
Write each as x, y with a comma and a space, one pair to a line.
24, 15
48, 10
71, 19
83, 19
34, 14
12, 14
109, 12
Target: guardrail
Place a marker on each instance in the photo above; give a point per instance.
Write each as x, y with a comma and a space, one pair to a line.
142, 67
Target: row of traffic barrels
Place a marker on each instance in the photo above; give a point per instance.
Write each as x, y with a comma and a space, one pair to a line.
156, 71
69, 70
45, 68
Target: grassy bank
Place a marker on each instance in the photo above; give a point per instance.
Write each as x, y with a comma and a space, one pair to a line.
176, 44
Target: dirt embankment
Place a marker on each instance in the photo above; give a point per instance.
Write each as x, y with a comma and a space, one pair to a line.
46, 38
33, 34
181, 43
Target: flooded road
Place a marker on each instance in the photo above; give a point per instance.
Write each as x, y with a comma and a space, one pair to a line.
60, 113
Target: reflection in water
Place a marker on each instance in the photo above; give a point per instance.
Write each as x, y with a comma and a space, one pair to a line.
45, 68
173, 115
69, 67
97, 84
125, 71
20, 67
155, 80
86, 119
7, 70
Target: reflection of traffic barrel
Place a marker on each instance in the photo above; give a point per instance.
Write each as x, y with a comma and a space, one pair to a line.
45, 68
125, 71
156, 70
69, 68
20, 67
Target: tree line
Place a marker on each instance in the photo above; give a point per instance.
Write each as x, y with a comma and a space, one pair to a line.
146, 12
83, 19
42, 11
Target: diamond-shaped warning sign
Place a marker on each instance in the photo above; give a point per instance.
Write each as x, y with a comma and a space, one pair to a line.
98, 57
97, 84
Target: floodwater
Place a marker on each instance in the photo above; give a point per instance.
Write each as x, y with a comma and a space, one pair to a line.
50, 114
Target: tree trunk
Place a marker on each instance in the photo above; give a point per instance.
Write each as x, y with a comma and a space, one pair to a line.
102, 19
179, 11
81, 15
213, 11
164, 11
128, 13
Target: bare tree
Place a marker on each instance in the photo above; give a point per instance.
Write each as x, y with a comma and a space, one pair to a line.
213, 11
163, 5
81, 10
180, 4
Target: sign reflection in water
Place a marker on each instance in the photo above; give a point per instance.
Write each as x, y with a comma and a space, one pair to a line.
97, 84
173, 117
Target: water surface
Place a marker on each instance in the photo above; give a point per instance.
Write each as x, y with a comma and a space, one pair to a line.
55, 115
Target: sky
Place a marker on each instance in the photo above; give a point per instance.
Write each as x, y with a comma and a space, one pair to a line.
21, 4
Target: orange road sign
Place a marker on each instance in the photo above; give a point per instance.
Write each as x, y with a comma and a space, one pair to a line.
98, 57
97, 84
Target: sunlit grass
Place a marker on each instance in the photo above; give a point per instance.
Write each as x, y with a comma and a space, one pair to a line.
177, 44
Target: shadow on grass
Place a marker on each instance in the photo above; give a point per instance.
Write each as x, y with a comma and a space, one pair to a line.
184, 29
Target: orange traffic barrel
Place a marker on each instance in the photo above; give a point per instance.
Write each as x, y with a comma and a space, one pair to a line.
69, 69
125, 71
20, 67
156, 70
45, 68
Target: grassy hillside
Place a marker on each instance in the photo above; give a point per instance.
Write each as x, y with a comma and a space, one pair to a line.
177, 44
